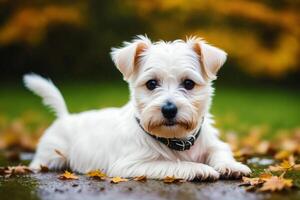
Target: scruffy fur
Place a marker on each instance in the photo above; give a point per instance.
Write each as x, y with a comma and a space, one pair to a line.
112, 140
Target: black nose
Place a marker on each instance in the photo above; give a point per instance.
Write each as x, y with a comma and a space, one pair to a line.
169, 110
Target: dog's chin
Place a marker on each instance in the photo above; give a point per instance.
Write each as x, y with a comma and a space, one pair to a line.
170, 129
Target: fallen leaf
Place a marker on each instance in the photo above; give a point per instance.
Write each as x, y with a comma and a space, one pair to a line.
263, 147
172, 179
251, 181
285, 165
265, 176
17, 170
296, 167
68, 176
289, 144
118, 179
276, 183
276, 168
140, 178
283, 154
97, 174
44, 169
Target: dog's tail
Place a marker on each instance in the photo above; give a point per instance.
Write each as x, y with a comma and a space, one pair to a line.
50, 94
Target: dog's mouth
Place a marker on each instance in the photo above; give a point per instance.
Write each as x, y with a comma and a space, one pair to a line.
170, 123
173, 123
169, 128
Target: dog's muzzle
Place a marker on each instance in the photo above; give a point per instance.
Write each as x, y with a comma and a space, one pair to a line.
178, 144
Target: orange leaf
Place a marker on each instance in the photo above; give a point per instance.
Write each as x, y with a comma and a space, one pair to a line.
68, 176
118, 179
283, 166
263, 147
251, 181
172, 179
276, 183
140, 178
283, 154
97, 174
265, 176
17, 170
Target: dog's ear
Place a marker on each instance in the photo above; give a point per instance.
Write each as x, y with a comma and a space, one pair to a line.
211, 59
127, 58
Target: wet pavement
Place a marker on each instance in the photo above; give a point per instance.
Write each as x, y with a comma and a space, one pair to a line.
47, 186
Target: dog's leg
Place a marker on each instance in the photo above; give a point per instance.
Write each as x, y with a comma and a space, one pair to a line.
161, 169
220, 157
50, 157
52, 150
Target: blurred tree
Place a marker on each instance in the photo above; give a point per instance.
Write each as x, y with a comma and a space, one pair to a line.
263, 37
73, 38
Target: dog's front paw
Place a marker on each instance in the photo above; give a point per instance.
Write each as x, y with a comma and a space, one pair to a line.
206, 173
232, 169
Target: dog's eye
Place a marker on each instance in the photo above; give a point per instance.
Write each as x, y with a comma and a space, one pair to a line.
188, 84
151, 84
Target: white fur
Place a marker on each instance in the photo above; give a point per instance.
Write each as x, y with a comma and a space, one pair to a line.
50, 94
111, 139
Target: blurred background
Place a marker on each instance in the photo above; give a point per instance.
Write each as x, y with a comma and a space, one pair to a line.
69, 41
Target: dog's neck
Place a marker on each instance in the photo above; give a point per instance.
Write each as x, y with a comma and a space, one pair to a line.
178, 144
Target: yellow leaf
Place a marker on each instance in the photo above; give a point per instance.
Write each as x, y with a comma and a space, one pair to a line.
118, 179
281, 155
140, 178
97, 174
276, 183
283, 166
265, 176
68, 176
286, 165
172, 179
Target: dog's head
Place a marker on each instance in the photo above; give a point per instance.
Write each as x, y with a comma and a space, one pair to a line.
170, 82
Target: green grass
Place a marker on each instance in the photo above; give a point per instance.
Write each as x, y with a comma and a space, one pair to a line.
234, 108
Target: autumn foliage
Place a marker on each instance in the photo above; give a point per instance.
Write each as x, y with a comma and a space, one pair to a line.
261, 37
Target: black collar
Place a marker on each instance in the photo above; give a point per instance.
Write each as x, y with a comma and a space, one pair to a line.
178, 144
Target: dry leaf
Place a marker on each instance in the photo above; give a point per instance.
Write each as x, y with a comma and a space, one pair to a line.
283, 154
17, 170
296, 167
172, 179
285, 165
276, 183
140, 178
44, 169
263, 147
118, 179
97, 174
251, 181
289, 144
265, 176
60, 154
68, 176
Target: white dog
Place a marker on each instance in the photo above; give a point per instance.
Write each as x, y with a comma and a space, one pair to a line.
164, 130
